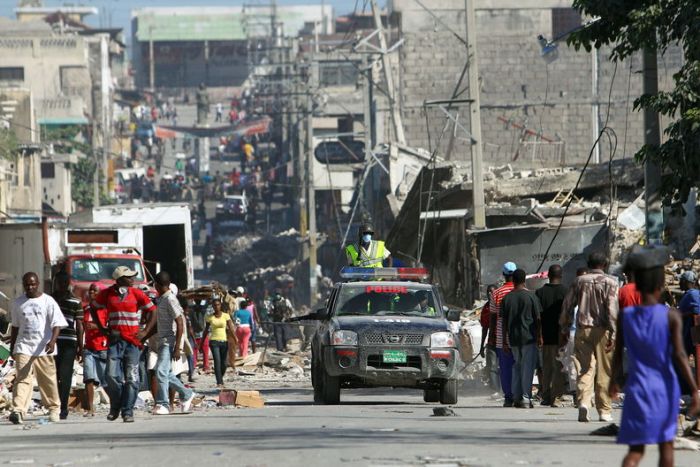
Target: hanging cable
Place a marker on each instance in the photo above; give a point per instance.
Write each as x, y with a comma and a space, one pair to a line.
583, 171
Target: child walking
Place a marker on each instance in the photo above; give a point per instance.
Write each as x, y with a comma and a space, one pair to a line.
652, 334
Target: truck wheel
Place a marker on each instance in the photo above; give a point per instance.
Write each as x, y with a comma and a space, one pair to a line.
330, 388
431, 395
448, 392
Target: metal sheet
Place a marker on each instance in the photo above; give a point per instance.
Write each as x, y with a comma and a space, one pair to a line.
21, 252
526, 246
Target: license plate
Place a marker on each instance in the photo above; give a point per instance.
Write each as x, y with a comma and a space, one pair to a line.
394, 356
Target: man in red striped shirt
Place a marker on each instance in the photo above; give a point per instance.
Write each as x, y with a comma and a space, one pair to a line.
124, 304
505, 359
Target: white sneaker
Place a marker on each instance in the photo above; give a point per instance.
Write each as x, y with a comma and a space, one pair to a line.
54, 417
583, 414
606, 417
161, 410
187, 404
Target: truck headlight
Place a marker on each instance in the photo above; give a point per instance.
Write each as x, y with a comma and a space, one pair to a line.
442, 339
344, 338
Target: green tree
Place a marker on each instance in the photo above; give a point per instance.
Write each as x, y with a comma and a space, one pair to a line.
629, 26
8, 144
82, 183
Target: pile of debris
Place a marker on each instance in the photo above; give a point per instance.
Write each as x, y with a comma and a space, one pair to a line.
677, 267
250, 257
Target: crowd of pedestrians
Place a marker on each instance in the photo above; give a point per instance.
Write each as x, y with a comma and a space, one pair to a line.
127, 339
526, 333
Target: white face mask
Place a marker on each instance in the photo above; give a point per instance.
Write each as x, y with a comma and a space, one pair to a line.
366, 238
123, 290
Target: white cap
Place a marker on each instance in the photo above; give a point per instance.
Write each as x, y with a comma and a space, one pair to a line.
123, 271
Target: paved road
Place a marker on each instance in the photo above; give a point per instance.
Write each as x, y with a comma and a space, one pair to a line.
371, 428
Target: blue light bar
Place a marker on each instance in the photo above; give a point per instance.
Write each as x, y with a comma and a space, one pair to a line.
350, 272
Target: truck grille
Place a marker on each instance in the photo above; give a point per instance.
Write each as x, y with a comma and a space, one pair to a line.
393, 339
376, 361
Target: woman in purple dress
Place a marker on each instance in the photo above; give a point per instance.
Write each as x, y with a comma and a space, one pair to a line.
652, 334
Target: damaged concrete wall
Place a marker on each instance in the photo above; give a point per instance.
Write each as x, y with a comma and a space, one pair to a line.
518, 89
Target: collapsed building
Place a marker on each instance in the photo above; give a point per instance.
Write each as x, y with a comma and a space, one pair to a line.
530, 220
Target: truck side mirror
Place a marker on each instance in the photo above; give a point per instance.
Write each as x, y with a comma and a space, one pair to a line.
453, 315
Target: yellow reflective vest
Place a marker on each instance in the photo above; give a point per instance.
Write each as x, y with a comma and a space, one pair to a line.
371, 258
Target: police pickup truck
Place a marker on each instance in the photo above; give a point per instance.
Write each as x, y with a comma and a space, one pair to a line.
384, 327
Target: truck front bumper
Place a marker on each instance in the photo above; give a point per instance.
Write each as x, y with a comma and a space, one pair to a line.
367, 363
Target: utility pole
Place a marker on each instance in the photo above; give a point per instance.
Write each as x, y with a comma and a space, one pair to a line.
386, 64
367, 101
151, 61
475, 120
311, 188
93, 146
652, 137
301, 153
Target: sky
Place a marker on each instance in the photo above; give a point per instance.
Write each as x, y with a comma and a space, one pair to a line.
119, 11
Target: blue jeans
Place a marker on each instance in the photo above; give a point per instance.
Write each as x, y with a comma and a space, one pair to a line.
525, 357
190, 359
166, 378
219, 350
492, 368
505, 366
94, 364
123, 377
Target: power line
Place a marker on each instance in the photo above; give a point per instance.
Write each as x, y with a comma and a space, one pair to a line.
583, 171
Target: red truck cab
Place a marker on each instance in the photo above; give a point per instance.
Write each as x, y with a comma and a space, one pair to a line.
85, 269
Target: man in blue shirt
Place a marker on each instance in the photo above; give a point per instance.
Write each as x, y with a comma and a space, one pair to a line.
689, 306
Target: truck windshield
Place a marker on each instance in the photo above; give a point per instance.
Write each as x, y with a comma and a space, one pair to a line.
96, 269
382, 300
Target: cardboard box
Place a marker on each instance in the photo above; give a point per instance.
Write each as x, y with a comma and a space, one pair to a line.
251, 399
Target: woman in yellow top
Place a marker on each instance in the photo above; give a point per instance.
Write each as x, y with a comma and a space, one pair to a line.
218, 323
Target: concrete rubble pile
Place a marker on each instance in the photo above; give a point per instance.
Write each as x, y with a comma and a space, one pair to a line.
259, 258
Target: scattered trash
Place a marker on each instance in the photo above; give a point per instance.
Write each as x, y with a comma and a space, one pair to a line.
444, 412
227, 397
608, 430
295, 370
143, 400
685, 444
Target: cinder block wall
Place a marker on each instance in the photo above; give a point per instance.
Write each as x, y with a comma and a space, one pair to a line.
557, 100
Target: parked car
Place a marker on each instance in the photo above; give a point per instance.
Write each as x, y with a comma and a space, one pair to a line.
232, 208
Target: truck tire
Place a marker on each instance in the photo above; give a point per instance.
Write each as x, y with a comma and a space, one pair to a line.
448, 392
330, 388
431, 395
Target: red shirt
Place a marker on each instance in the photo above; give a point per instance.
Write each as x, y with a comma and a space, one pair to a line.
629, 296
125, 312
496, 299
94, 339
